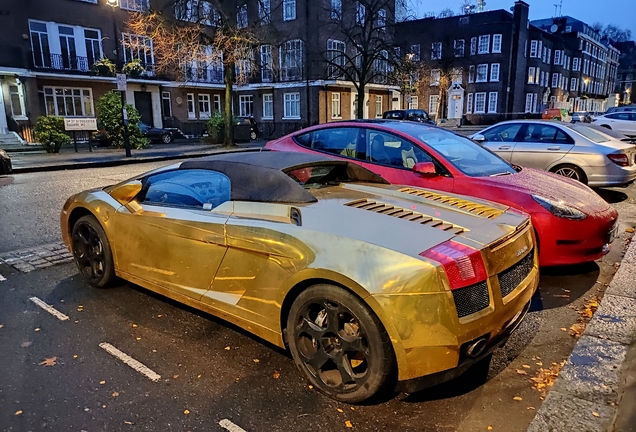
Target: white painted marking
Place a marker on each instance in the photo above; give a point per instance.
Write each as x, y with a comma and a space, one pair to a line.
228, 425
136, 365
2, 278
50, 309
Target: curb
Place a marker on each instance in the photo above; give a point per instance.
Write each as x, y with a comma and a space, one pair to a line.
586, 394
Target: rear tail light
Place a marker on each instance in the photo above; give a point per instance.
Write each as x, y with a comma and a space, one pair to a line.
463, 265
620, 159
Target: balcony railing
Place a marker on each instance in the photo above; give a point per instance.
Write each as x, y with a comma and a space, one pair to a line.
60, 62
204, 75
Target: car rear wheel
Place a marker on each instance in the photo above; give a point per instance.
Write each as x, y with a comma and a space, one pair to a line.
606, 126
252, 135
340, 344
571, 171
92, 252
166, 138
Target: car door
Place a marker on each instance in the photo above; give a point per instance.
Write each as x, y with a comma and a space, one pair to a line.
540, 145
624, 122
502, 139
172, 234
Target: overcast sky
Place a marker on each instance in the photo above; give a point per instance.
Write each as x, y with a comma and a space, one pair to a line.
619, 12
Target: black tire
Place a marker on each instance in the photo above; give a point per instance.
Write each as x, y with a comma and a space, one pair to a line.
166, 138
92, 252
606, 126
570, 171
253, 135
340, 344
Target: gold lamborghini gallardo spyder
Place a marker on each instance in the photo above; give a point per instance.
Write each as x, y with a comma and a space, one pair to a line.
368, 285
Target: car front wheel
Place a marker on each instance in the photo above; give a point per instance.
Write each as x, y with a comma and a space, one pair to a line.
92, 252
340, 344
166, 138
571, 171
252, 135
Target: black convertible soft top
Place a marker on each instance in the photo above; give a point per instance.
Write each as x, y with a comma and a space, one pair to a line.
262, 176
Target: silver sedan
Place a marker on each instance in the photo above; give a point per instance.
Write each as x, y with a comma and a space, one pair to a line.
568, 149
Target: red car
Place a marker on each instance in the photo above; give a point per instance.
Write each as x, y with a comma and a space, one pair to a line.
573, 223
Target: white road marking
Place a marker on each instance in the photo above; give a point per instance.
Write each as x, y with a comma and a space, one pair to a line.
136, 365
2, 278
50, 309
228, 425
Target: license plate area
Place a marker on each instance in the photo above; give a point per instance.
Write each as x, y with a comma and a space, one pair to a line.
612, 233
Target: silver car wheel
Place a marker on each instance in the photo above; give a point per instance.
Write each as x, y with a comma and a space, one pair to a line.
568, 172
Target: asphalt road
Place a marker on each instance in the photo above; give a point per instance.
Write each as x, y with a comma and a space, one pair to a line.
252, 385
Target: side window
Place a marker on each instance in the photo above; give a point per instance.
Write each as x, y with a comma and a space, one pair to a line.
539, 133
563, 138
395, 115
337, 141
620, 116
201, 189
391, 150
503, 133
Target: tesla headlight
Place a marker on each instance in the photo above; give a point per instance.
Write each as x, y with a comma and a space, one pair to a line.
559, 208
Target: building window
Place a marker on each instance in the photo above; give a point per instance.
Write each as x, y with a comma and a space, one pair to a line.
196, 11
335, 105
361, 12
494, 72
264, 10
482, 73
436, 51
629, 77
378, 106
555, 80
246, 106
414, 102
336, 9
542, 79
40, 44
382, 19
291, 60
576, 64
531, 75
544, 55
216, 100
68, 102
16, 96
166, 106
93, 43
268, 106
266, 63
415, 52
191, 112
241, 17
458, 44
336, 58
573, 84
289, 10
471, 74
204, 106
134, 5
292, 106
549, 56
533, 48
557, 57
484, 44
138, 47
480, 103
492, 102
473, 46
535, 98
469, 103
433, 101
435, 77
496, 43
528, 102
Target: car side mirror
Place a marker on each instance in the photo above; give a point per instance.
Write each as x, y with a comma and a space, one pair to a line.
425, 168
126, 192
479, 138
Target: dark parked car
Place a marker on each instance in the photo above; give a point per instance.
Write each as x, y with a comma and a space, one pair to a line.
416, 115
583, 117
5, 163
156, 134
253, 126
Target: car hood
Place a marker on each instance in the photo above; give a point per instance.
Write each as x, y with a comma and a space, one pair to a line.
548, 185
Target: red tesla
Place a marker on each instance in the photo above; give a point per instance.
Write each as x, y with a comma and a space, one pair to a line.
573, 223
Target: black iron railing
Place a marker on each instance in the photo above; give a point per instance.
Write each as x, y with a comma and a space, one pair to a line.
203, 74
60, 62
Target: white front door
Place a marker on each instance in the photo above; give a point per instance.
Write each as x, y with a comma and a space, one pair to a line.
455, 106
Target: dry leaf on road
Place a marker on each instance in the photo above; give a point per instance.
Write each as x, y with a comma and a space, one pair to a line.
526, 366
18, 412
522, 372
339, 410
50, 361
227, 348
186, 412
275, 374
518, 398
595, 414
348, 424
115, 394
256, 360
489, 428
102, 382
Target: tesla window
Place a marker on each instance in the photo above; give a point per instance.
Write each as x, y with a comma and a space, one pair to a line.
588, 133
202, 189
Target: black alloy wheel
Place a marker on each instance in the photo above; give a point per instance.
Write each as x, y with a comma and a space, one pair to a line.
92, 252
340, 344
252, 135
166, 138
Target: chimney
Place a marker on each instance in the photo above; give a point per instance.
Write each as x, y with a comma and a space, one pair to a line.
521, 14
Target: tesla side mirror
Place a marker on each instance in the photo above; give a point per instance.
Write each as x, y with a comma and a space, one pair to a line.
425, 168
126, 192
479, 138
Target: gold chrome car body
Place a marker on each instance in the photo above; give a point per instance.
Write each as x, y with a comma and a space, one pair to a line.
247, 261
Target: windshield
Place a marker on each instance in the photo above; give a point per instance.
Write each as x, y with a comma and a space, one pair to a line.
465, 155
588, 133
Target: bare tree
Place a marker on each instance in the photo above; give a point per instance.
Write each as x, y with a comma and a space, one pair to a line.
446, 13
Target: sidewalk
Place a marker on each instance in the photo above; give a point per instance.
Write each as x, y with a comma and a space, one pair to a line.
33, 160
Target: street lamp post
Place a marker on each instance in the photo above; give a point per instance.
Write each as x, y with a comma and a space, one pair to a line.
124, 117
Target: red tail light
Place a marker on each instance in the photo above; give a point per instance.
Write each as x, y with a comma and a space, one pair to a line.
463, 265
619, 159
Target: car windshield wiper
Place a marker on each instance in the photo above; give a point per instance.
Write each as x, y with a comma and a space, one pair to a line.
500, 174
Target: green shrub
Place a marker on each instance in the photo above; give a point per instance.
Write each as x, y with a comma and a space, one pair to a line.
215, 123
49, 131
104, 67
109, 119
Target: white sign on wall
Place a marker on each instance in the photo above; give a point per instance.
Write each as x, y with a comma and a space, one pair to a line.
80, 124
121, 82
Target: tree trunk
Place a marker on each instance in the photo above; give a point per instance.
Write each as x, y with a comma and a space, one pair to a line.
360, 104
228, 79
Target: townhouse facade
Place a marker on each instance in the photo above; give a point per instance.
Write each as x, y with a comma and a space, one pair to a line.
49, 49
626, 79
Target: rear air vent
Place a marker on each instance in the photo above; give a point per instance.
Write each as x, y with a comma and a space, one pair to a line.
463, 204
402, 213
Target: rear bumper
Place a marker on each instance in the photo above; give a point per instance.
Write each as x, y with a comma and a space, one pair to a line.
610, 175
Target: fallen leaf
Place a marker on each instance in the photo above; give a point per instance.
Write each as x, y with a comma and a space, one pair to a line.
526, 366
339, 410
134, 325
276, 374
522, 372
310, 386
256, 360
37, 329
186, 412
26, 344
594, 413
1, 325
564, 329
175, 376
237, 378
159, 316
76, 321
348, 424
227, 348
531, 408
102, 382
103, 406
115, 394
18, 412
489, 427
50, 361
127, 422
138, 338
561, 295
154, 350
517, 398
198, 376
353, 409
539, 364
74, 356
629, 230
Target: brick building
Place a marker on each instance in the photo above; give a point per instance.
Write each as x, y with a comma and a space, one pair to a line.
626, 78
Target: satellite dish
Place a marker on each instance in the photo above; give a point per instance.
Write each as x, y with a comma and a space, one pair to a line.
554, 28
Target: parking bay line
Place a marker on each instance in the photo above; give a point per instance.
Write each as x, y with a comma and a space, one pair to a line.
2, 278
128, 360
228, 425
50, 309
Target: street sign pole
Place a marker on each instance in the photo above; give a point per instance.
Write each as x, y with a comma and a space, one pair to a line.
121, 86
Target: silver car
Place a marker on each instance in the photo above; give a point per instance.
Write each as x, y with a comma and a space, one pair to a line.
568, 149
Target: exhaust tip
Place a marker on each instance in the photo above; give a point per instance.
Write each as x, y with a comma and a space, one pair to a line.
476, 348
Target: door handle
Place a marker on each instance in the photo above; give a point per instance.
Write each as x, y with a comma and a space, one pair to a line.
503, 148
554, 148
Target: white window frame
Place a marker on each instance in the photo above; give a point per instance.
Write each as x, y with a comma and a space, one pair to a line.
264, 11
576, 64
267, 73
246, 106
433, 103
483, 46
336, 105
134, 5
460, 46
336, 9
484, 75
203, 99
336, 55
478, 96
382, 19
165, 96
493, 98
378, 106
415, 51
469, 103
496, 43
216, 103
414, 102
473, 46
20, 94
531, 73
134, 43
436, 51
289, 10
291, 103
361, 12
192, 113
436, 75
534, 46
472, 71
528, 103
557, 58
241, 17
555, 80
55, 100
294, 58
495, 69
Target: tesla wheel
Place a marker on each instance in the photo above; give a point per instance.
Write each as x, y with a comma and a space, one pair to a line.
252, 135
571, 171
92, 252
166, 138
340, 344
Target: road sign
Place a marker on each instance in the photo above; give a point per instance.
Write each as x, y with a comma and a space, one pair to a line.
80, 124
121, 82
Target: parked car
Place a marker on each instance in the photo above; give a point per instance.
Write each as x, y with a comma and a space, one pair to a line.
415, 115
567, 149
621, 108
253, 126
287, 246
560, 114
5, 163
155, 134
623, 122
612, 134
572, 222
583, 117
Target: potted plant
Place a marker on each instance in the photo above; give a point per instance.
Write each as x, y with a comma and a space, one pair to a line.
49, 131
134, 68
104, 67
215, 128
